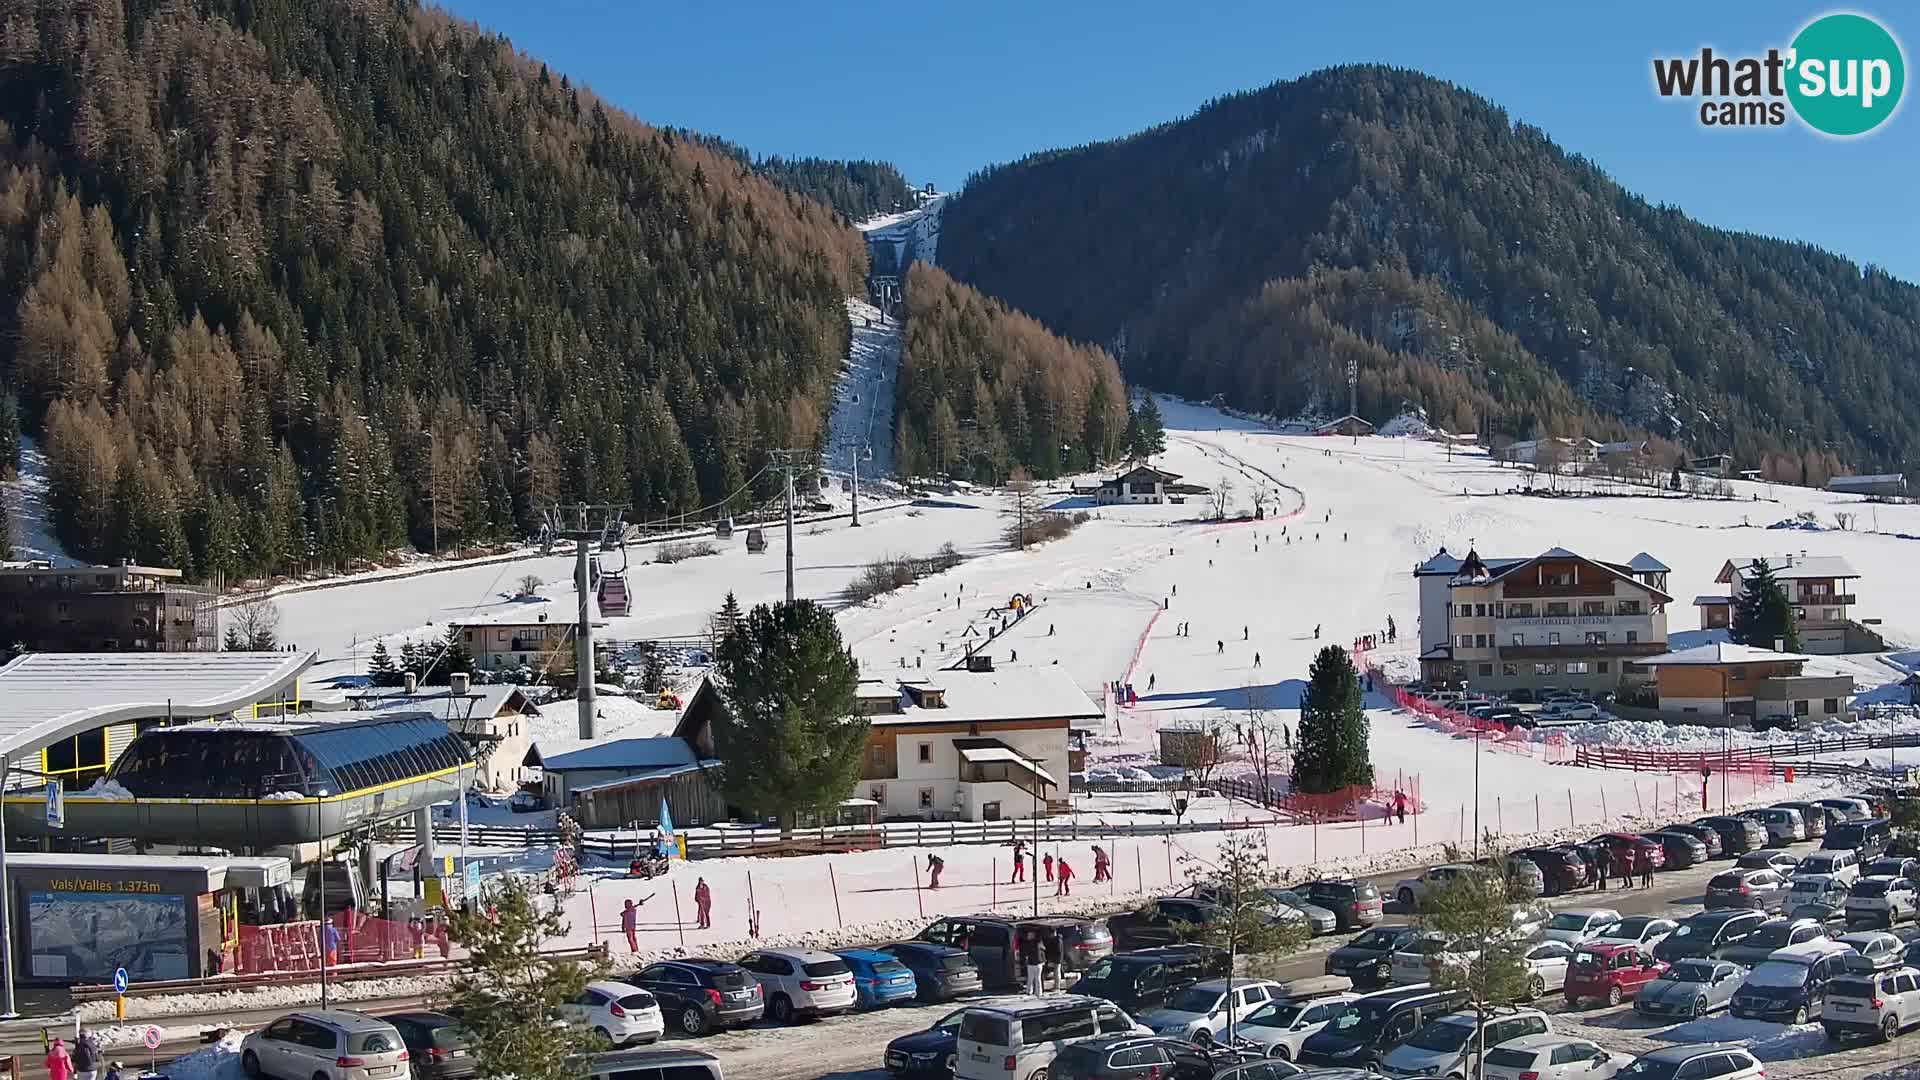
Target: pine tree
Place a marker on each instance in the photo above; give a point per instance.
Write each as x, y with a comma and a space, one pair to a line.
455, 656
1762, 614
790, 739
410, 658
1332, 751
231, 641
726, 620
1146, 430
509, 977
653, 672
380, 669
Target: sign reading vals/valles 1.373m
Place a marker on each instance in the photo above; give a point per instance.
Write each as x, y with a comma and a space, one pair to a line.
1842, 75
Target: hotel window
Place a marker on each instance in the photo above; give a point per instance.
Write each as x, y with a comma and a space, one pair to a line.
1829, 614
1466, 641
1629, 607
1831, 706
1800, 708
1553, 637
926, 752
1558, 608
1482, 641
1511, 671
1593, 607
1596, 637
1466, 611
1519, 639
1520, 611
1499, 610
1479, 611
1486, 670
1576, 667
877, 755
1633, 636
926, 798
1546, 668
1602, 666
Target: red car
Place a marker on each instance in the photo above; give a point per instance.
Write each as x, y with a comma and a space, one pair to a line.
1610, 973
1627, 848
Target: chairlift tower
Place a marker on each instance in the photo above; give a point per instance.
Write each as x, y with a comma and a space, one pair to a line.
588, 525
790, 460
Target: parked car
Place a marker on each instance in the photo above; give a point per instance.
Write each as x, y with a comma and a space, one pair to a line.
1546, 967
992, 941
1813, 816
1578, 924
878, 979
1279, 1028
526, 802
1570, 710
1899, 866
697, 995
1781, 862
1815, 889
1876, 948
1879, 1003
1831, 915
1523, 877
438, 1048
621, 1013
1737, 835
1201, 1012
1882, 901
1790, 985
1319, 920
1560, 870
1159, 922
1368, 959
1645, 931
1410, 891
1851, 809
1412, 963
1610, 972
1356, 904
1144, 979
1708, 934
1626, 849
1705, 834
1695, 1061
1551, 1057
1134, 1057
1912, 956
1840, 864
1442, 1047
651, 1061
800, 983
1691, 988
1020, 1037
927, 1053
1783, 823
940, 972
1374, 1024
1773, 935
1866, 839
1682, 851
1281, 1070
325, 1044
1590, 856
1763, 890
1530, 918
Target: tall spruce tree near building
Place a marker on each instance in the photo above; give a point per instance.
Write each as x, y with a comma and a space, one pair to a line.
1762, 614
380, 669
790, 740
1331, 752
1146, 430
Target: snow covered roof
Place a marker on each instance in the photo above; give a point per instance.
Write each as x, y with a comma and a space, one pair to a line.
479, 702
1719, 652
1644, 563
296, 723
1149, 471
1793, 567
982, 754
651, 752
45, 697
1018, 693
539, 612
1443, 563
556, 731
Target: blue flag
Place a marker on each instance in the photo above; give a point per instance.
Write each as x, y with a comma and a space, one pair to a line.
668, 846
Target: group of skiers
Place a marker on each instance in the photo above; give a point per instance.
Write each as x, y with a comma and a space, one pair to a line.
702, 913
80, 1063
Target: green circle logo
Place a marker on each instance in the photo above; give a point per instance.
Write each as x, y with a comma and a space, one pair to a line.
1847, 74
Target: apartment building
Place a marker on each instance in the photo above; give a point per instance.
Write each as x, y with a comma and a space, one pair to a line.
1820, 588
121, 608
1554, 621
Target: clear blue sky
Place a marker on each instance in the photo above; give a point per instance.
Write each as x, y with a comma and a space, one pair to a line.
943, 89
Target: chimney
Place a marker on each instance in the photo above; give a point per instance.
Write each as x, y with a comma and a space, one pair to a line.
1779, 644
459, 682
413, 683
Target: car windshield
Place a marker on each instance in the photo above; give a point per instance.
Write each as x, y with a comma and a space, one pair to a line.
1626, 928
889, 967
637, 1001
1101, 971
1276, 1015
1567, 920
1817, 864
1383, 938
1780, 974
1441, 1035
1688, 973
1770, 935
1648, 1069
1195, 1000
1727, 881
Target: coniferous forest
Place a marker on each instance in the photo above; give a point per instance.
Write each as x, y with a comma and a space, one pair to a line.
984, 389
1470, 266
298, 281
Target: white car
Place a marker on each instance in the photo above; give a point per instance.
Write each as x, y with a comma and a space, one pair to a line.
1876, 947
1547, 967
1579, 925
1885, 900
801, 982
1841, 866
1882, 1003
1442, 1047
1279, 1027
1552, 1057
1570, 710
325, 1044
1199, 1013
621, 1013
1643, 930
1410, 891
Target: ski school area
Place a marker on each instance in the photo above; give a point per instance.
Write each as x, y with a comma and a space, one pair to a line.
1172, 624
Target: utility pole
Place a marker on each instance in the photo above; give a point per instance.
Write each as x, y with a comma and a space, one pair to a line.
586, 525
1353, 393
789, 460
864, 451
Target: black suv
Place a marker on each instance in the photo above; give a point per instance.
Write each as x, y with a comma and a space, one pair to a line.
1770, 935
1708, 934
1356, 905
1134, 1057
1145, 979
1158, 922
1368, 959
698, 995
1738, 835
1371, 1026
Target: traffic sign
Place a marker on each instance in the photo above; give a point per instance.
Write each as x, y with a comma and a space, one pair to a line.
56, 805
151, 1037
119, 980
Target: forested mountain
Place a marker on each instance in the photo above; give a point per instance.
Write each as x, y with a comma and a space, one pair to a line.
983, 389
857, 189
297, 280
1467, 263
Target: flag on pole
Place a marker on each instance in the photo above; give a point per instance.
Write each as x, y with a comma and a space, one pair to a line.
669, 846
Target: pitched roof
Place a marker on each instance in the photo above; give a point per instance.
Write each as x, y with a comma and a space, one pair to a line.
1793, 567
1718, 652
1016, 693
1562, 553
647, 752
1644, 563
1161, 475
479, 702
45, 697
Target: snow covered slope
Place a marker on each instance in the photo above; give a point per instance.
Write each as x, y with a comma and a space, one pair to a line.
31, 531
863, 401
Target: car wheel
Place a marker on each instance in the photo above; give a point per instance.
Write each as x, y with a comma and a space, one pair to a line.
1536, 987
1203, 1038
1406, 899
1613, 995
605, 1036
1800, 1016
1384, 972
780, 1009
693, 1020
1889, 1029
1279, 1050
1039, 1074
1699, 1008
250, 1064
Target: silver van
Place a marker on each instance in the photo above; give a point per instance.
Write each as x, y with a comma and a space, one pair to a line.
1019, 1038
1784, 824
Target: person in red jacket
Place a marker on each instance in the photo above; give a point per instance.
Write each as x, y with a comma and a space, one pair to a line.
1046, 862
703, 904
1066, 876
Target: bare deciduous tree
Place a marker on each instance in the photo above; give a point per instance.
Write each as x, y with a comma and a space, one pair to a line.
1222, 498
527, 585
253, 626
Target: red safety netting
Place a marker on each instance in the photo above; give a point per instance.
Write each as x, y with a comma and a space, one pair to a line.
296, 946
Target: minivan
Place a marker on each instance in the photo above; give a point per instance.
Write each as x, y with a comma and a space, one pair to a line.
1018, 1039
1370, 1027
1866, 839
1839, 863
1144, 979
1783, 824
1790, 985
326, 1044
1814, 816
